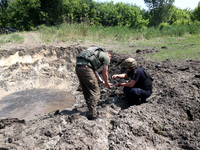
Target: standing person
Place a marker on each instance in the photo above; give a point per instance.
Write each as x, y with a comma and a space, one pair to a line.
140, 85
87, 63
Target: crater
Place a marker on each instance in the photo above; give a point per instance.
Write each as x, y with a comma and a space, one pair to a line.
36, 81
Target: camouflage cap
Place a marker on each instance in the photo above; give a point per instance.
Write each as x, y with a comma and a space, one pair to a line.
129, 63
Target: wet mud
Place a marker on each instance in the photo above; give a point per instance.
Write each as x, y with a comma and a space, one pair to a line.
25, 104
41, 76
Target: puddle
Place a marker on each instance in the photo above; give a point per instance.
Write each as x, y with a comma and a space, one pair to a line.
28, 103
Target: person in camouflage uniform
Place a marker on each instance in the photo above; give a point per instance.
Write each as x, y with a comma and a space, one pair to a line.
87, 64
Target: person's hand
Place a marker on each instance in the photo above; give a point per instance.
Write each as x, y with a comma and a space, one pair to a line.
114, 76
107, 85
116, 84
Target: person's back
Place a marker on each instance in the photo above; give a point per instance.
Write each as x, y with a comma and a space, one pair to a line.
95, 59
142, 78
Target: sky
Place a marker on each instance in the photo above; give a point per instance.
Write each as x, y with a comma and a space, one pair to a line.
182, 4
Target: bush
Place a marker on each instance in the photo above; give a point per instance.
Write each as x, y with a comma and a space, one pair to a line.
196, 12
194, 29
151, 33
162, 25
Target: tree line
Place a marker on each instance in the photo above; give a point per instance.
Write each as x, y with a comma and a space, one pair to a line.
30, 14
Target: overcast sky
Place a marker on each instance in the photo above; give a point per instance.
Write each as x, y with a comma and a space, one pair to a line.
182, 4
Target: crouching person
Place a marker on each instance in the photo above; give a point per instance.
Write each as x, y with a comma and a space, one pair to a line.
139, 87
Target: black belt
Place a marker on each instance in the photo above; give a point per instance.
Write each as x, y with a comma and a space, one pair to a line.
83, 66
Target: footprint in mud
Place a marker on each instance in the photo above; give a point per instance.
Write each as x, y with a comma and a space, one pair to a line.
28, 103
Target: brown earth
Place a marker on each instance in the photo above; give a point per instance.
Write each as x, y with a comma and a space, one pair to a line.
169, 120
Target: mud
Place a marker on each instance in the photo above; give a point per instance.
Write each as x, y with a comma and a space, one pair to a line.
25, 104
169, 120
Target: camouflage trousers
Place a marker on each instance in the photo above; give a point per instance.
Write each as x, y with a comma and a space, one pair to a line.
90, 88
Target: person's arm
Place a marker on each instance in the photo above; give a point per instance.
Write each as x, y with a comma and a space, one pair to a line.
121, 76
98, 77
129, 84
105, 76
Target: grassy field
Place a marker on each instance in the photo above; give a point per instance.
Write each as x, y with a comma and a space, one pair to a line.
11, 38
182, 42
178, 48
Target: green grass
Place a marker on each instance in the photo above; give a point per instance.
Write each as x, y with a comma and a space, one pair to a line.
179, 48
84, 32
64, 33
11, 38
182, 41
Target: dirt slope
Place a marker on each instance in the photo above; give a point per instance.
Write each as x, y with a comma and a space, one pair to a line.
170, 119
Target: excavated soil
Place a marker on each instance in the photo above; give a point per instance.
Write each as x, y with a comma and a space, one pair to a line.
42, 106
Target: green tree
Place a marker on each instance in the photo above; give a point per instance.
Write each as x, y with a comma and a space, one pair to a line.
24, 14
3, 14
3, 5
92, 14
130, 16
53, 10
159, 15
108, 14
75, 10
196, 13
160, 10
124, 14
180, 16
154, 4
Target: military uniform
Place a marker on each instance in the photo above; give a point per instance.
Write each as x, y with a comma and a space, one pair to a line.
87, 62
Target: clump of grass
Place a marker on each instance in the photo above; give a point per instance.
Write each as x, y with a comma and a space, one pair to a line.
151, 33
47, 33
64, 32
180, 30
11, 38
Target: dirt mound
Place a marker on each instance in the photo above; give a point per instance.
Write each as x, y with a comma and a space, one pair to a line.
170, 119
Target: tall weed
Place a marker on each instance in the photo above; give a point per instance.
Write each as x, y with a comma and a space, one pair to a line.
180, 30
82, 31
